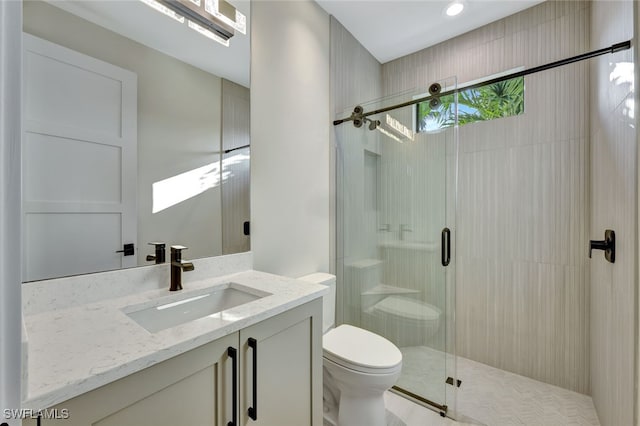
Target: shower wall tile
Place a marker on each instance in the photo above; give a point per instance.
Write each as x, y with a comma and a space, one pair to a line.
571, 101
495, 49
477, 37
613, 206
235, 188
356, 78
539, 105
522, 284
356, 73
470, 61
517, 49
532, 17
542, 317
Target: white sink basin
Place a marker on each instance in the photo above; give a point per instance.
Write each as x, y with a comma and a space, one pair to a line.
211, 302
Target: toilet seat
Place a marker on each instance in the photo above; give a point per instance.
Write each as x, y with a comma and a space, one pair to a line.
406, 308
361, 350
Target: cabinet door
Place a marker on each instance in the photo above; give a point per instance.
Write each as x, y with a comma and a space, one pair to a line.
288, 384
193, 389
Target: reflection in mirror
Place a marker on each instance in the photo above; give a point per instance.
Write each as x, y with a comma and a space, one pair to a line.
136, 130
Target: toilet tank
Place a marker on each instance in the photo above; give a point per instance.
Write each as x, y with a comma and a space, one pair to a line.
328, 300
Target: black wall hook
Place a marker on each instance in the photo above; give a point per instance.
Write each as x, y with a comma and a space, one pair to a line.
608, 245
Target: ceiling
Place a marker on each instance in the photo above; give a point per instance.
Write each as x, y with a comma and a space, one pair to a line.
137, 21
390, 29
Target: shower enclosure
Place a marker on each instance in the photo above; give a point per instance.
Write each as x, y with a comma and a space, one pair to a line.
396, 187
529, 323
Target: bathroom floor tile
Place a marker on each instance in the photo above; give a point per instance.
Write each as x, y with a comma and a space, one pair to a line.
496, 397
392, 420
488, 396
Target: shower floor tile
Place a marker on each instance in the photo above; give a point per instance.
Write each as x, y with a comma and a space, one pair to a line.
495, 397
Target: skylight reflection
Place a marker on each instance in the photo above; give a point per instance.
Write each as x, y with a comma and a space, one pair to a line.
176, 189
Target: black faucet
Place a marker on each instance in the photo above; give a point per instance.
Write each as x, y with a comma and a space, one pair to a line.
159, 257
177, 266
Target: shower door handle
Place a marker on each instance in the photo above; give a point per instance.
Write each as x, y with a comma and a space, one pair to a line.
445, 247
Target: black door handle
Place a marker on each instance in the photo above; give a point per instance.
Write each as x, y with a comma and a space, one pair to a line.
233, 354
253, 411
127, 250
445, 247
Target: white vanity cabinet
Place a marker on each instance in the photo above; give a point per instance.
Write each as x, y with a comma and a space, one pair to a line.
196, 388
190, 389
286, 352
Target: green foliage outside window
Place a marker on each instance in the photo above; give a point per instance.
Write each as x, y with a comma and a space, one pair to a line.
497, 100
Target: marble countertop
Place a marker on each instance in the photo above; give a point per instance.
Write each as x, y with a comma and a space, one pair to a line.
77, 349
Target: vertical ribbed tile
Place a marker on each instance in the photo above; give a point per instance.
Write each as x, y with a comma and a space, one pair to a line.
355, 78
522, 291
613, 206
235, 167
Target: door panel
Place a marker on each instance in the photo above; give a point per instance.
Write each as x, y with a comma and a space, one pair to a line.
49, 241
62, 93
79, 162
51, 176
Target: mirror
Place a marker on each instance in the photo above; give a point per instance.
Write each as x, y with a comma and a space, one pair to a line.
136, 130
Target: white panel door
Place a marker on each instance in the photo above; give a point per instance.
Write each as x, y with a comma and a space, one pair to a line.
79, 162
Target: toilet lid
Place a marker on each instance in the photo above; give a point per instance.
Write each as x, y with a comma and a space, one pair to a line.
408, 308
361, 350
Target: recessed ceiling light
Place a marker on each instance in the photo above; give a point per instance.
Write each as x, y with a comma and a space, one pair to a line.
454, 8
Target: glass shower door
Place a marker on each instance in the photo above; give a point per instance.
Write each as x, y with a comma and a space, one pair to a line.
396, 215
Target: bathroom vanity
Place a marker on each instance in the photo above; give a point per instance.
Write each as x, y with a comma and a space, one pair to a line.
258, 362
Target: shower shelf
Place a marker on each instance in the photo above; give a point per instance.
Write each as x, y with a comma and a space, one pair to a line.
363, 263
388, 289
409, 245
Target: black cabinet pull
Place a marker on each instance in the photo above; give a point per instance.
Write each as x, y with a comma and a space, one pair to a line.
233, 354
445, 253
253, 411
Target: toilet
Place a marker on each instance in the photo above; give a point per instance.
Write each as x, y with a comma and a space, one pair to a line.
358, 367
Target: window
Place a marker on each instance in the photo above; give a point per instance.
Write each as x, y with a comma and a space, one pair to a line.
497, 100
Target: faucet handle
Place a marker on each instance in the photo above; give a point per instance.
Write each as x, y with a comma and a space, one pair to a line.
403, 229
159, 256
176, 253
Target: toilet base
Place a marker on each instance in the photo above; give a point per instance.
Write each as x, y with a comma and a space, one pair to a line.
355, 399
362, 411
